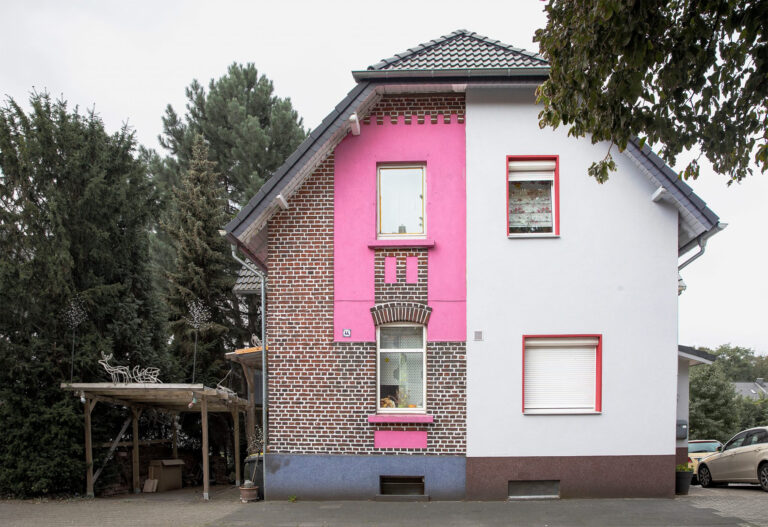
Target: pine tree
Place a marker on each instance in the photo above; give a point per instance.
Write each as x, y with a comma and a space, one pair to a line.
203, 272
75, 205
249, 130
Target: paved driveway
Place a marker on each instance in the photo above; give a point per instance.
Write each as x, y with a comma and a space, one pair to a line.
704, 507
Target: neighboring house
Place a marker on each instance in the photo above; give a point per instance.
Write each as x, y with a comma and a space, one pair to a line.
752, 390
687, 356
412, 345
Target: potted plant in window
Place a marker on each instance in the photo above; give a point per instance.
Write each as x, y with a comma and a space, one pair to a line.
683, 477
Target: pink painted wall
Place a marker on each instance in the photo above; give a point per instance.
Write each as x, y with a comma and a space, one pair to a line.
399, 439
390, 270
412, 270
442, 147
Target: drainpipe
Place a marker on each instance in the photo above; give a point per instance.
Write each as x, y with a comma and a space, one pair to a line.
702, 243
263, 279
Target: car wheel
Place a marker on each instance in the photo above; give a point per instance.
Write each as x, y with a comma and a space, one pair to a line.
705, 477
762, 475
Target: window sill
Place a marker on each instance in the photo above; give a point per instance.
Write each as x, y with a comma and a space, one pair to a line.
400, 418
402, 242
562, 412
514, 236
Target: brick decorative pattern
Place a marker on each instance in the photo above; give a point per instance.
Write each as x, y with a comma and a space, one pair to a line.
401, 312
418, 107
400, 291
321, 392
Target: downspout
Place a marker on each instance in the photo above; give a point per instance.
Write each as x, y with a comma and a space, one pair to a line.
701, 241
263, 279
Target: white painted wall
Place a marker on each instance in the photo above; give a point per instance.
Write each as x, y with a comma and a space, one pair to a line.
613, 271
683, 397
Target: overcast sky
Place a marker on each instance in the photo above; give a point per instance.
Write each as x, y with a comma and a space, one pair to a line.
130, 59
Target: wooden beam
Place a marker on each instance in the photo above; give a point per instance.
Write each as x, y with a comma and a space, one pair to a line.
88, 407
250, 420
206, 468
175, 438
142, 442
135, 457
112, 446
236, 426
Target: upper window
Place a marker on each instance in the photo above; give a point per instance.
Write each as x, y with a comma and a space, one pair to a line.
401, 369
562, 374
532, 196
401, 210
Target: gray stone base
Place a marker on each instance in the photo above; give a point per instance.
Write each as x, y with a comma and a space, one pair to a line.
318, 477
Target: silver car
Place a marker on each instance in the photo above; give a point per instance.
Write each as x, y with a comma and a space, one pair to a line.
743, 459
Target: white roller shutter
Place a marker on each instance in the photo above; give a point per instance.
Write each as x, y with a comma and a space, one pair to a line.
534, 169
560, 375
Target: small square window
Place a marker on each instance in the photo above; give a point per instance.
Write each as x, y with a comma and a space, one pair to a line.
401, 369
401, 210
532, 197
562, 375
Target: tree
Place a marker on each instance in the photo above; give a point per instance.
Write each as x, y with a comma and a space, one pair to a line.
75, 204
249, 130
203, 273
677, 73
714, 407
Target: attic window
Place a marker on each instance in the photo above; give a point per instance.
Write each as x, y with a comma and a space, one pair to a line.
532, 196
400, 201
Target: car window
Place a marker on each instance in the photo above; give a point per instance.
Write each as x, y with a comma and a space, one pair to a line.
736, 442
709, 446
761, 437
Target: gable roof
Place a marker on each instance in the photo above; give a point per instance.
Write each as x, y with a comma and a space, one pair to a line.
460, 50
695, 356
461, 56
697, 216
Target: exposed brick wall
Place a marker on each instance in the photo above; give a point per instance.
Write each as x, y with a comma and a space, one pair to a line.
327, 412
321, 392
417, 107
400, 291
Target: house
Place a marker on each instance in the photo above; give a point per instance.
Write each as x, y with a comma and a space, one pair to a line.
414, 347
752, 390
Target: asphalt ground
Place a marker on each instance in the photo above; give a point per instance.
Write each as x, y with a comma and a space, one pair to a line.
735, 506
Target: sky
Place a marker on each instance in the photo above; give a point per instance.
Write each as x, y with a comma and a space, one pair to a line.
129, 60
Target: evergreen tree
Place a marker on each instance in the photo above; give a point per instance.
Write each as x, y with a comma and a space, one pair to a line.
249, 130
714, 410
203, 272
75, 204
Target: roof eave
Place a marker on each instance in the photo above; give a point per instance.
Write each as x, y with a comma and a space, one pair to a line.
463, 73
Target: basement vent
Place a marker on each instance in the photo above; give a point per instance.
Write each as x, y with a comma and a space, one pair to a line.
402, 485
478, 336
533, 490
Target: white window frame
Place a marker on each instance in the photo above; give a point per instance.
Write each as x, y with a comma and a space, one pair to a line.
535, 175
379, 351
395, 166
564, 342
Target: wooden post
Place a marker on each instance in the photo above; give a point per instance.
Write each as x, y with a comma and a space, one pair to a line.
89, 404
135, 453
236, 424
206, 470
175, 437
250, 416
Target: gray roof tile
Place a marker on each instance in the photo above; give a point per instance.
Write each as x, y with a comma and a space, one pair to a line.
247, 282
462, 50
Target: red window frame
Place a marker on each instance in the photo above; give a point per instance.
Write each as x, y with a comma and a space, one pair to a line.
556, 208
598, 365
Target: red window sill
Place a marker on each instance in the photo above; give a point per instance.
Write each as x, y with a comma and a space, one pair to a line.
402, 242
400, 418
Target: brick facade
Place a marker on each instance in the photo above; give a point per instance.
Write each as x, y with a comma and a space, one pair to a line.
417, 107
321, 392
400, 291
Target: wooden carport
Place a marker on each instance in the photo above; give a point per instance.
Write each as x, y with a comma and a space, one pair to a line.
174, 398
